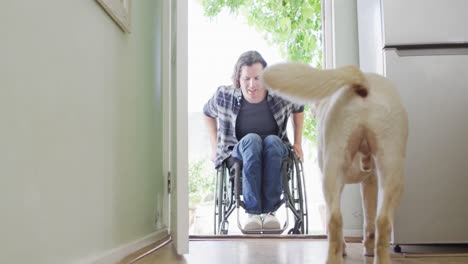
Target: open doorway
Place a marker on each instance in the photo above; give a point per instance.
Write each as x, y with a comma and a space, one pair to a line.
213, 48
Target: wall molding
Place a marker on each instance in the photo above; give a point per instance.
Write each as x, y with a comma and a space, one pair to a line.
117, 254
120, 11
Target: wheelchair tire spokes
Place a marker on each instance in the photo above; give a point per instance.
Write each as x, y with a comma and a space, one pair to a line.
219, 199
223, 201
298, 199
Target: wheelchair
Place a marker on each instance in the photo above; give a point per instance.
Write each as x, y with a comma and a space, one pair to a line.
228, 196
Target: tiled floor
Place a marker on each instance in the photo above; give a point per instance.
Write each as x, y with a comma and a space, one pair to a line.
279, 251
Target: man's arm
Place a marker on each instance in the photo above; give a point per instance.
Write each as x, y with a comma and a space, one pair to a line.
298, 124
212, 133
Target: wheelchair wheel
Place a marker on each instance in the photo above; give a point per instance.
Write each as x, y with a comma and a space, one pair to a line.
222, 201
297, 196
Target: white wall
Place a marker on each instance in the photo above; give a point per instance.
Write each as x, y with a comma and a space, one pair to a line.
80, 130
347, 52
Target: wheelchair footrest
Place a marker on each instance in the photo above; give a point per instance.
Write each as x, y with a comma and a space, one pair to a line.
262, 232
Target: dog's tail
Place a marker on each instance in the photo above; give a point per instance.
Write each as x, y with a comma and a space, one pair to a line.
303, 83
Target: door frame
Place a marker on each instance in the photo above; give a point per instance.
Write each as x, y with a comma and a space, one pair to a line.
175, 91
175, 119
166, 105
328, 25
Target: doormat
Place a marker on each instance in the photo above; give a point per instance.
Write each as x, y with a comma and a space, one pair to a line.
262, 236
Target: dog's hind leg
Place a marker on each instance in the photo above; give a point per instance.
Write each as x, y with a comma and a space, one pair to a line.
332, 189
369, 190
390, 171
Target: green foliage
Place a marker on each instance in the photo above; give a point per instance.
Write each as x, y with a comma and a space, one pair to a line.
201, 181
294, 25
310, 125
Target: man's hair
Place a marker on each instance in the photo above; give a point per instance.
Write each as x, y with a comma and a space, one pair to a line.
247, 58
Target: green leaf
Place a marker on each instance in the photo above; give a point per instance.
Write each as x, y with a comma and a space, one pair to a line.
307, 11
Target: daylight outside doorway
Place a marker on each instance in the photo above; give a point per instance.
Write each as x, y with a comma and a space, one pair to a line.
214, 46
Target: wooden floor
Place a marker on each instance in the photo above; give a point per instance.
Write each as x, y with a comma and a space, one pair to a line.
287, 251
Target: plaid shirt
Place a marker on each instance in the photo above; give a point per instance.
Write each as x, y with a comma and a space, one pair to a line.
225, 105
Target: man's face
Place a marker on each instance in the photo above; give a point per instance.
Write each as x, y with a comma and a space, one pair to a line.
252, 87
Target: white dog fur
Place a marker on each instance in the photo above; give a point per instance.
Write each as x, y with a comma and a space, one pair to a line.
362, 134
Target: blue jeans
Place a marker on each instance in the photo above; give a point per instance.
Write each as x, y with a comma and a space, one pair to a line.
261, 173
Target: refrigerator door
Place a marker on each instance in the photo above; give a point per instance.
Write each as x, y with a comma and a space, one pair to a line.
418, 22
433, 85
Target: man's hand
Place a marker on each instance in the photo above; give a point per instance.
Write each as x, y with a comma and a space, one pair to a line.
212, 125
298, 150
298, 122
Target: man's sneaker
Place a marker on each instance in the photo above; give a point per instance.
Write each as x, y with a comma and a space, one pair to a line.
253, 222
271, 222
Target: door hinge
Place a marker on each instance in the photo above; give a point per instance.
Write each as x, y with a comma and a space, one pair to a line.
168, 182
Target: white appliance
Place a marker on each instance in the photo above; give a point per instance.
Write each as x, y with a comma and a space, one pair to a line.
422, 45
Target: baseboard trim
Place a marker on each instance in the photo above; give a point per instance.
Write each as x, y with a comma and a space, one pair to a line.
146, 251
115, 255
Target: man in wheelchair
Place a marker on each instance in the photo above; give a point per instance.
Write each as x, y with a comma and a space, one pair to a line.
249, 124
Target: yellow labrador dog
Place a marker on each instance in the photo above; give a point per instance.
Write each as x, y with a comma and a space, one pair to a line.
362, 134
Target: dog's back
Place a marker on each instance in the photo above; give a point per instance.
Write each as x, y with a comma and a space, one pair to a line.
362, 119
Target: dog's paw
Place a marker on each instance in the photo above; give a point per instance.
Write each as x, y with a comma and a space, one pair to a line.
382, 260
335, 260
369, 243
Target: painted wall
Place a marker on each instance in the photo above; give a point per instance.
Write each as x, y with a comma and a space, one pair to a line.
80, 130
346, 53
